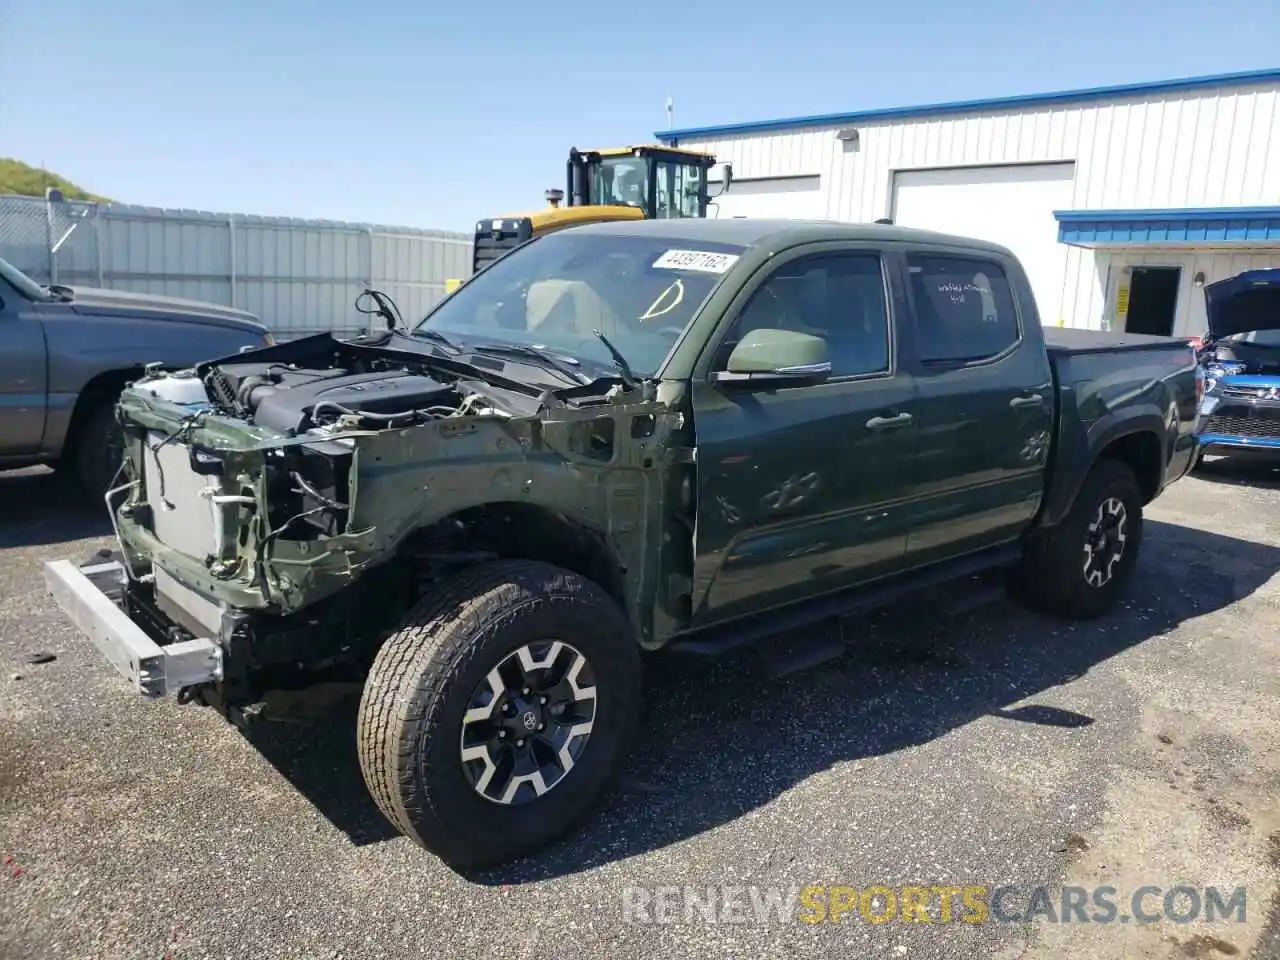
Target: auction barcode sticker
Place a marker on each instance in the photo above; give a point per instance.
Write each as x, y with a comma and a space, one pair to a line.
701, 261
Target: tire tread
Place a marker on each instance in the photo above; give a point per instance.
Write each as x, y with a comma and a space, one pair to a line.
408, 683
1047, 577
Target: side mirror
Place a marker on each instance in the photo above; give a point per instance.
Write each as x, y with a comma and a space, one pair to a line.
726, 177
776, 358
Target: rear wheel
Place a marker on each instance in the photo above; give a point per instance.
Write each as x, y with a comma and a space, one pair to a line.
496, 717
1080, 568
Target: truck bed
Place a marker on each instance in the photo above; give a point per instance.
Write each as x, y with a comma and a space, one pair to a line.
1108, 382
1068, 340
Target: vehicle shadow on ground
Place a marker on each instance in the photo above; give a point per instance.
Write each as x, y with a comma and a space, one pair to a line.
317, 755
720, 739
1247, 469
39, 507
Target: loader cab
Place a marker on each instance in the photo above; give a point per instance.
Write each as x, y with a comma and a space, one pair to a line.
663, 183
644, 182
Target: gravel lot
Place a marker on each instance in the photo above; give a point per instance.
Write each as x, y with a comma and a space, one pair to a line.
995, 747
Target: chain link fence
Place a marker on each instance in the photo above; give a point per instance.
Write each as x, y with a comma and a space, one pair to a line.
34, 232
297, 276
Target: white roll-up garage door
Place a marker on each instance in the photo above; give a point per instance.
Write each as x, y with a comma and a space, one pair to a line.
787, 198
1007, 204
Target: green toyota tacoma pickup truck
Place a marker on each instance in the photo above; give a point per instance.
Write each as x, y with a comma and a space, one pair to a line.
617, 439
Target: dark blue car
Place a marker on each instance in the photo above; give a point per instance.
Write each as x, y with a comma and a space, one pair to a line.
1240, 357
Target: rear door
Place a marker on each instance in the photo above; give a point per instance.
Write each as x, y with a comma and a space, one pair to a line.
23, 374
985, 408
798, 488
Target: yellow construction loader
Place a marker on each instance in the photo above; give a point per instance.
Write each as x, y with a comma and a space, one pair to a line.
619, 183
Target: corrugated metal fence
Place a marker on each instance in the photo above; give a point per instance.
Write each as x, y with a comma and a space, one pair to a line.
298, 276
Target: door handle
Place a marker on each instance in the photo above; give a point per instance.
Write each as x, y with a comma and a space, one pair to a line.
889, 423
1032, 401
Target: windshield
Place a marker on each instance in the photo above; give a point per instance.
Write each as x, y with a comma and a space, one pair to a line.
24, 284
554, 292
621, 180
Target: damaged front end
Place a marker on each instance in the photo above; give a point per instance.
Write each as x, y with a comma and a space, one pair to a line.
279, 510
1240, 358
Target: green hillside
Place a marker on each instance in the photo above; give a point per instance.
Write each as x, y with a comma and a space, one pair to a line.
22, 178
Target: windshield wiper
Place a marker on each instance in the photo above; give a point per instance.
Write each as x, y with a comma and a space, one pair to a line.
624, 368
438, 337
549, 360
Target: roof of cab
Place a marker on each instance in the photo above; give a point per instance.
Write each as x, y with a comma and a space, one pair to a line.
749, 231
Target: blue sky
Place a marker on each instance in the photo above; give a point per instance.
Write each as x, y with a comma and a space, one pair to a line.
405, 113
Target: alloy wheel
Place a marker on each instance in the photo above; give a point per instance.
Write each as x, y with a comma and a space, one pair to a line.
1104, 543
528, 722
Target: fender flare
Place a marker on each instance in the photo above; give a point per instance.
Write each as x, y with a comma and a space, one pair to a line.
1090, 445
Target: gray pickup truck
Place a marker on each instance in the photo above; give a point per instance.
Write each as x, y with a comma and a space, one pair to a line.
67, 352
616, 439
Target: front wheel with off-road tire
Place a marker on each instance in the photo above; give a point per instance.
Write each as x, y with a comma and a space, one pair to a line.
501, 711
1079, 568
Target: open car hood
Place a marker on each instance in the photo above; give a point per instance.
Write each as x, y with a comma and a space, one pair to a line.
1244, 303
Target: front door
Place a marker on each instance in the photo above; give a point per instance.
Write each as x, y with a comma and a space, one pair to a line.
799, 488
23, 376
985, 405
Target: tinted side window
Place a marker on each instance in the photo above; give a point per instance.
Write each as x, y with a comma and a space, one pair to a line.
964, 307
837, 296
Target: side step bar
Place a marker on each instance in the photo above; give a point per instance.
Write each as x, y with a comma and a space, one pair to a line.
717, 640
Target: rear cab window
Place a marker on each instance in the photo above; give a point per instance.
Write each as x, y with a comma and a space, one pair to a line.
964, 307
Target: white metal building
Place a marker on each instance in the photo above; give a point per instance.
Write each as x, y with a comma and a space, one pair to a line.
1121, 201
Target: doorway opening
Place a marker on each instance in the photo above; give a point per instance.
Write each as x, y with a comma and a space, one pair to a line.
1153, 300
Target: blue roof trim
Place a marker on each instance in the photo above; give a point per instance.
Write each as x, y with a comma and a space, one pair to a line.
969, 106
1243, 225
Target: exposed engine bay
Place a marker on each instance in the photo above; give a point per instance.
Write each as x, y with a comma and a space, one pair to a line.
1238, 356
292, 399
318, 389
385, 381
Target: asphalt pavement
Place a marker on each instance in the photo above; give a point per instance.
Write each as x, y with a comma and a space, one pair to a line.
991, 748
